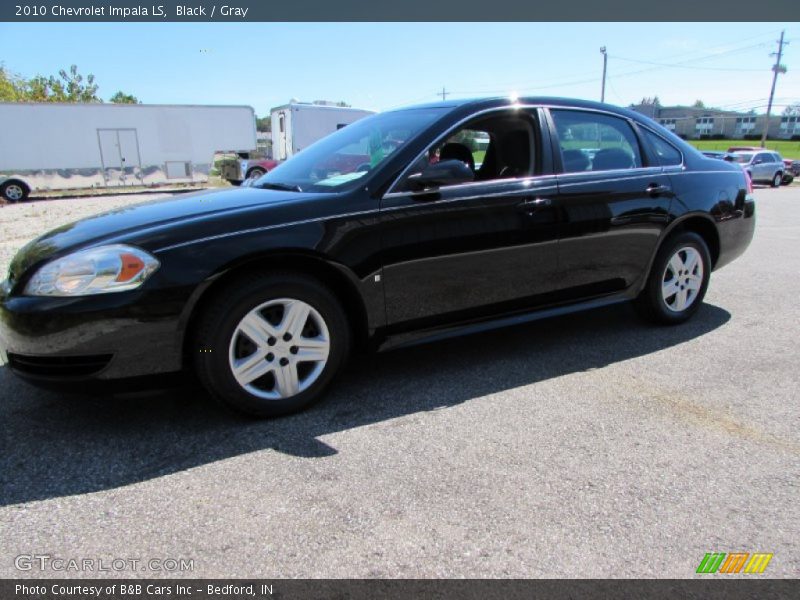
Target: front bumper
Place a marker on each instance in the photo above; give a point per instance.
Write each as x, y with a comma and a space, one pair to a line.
103, 337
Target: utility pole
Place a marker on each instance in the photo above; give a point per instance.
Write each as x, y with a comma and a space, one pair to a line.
605, 64
777, 68
444, 94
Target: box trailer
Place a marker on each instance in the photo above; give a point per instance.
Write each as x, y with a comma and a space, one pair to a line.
48, 146
297, 125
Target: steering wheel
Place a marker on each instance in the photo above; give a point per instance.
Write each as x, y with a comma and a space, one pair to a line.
363, 168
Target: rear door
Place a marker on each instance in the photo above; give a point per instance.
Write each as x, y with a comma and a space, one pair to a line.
613, 201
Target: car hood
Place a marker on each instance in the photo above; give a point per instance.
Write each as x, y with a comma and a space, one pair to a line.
129, 220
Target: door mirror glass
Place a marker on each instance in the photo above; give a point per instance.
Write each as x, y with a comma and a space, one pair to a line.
444, 172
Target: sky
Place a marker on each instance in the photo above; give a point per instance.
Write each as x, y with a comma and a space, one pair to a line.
385, 65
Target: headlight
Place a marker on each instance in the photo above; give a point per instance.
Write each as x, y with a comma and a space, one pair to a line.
98, 270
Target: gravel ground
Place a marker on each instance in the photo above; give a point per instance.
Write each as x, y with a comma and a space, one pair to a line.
588, 446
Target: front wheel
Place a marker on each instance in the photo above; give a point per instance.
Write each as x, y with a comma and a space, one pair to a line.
270, 345
678, 280
255, 173
777, 180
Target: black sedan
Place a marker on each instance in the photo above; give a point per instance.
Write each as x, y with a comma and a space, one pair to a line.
402, 227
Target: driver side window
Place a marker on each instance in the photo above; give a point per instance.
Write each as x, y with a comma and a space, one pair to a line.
493, 148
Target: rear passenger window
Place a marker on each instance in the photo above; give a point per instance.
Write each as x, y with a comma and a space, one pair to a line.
667, 153
595, 142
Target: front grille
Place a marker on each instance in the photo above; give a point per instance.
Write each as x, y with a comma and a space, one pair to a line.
59, 366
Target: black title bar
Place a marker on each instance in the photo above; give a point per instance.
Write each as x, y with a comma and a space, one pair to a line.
712, 588
404, 10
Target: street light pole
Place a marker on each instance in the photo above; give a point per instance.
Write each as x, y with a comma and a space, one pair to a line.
605, 64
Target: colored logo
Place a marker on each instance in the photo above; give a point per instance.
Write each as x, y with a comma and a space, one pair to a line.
734, 562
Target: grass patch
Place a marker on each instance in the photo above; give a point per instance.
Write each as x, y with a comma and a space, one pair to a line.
786, 148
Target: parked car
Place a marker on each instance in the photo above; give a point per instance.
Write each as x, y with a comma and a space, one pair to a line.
237, 170
791, 167
745, 149
763, 166
718, 155
263, 291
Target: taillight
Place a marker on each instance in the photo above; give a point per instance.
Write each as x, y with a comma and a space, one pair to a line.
749, 182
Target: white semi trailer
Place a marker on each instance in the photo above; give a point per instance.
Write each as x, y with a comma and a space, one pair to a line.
297, 125
68, 146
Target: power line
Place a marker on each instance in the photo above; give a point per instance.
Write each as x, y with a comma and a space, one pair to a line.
524, 88
682, 66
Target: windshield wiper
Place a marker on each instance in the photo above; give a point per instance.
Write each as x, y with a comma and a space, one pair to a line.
287, 187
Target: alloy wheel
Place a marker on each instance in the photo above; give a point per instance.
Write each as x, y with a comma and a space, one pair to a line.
682, 279
279, 349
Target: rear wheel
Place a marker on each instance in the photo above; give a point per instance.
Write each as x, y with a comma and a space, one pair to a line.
14, 191
269, 346
255, 173
678, 280
777, 179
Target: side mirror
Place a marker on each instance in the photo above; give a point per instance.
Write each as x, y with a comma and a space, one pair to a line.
444, 172
757, 161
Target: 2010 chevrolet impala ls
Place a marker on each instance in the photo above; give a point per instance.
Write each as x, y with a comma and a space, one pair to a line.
408, 225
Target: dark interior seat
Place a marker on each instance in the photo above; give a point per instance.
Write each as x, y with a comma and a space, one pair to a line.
574, 161
454, 150
515, 149
611, 158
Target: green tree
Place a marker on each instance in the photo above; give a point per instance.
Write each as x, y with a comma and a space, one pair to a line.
12, 86
343, 104
69, 86
75, 90
123, 98
698, 104
792, 110
264, 124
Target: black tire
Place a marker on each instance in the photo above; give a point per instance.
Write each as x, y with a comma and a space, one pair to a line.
218, 324
14, 191
651, 304
255, 173
777, 179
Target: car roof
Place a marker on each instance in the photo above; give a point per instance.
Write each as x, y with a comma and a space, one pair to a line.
465, 107
499, 101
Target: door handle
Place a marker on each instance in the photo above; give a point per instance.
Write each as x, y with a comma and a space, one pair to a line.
654, 189
529, 206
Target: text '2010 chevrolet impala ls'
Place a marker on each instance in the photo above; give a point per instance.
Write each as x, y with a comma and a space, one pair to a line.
407, 225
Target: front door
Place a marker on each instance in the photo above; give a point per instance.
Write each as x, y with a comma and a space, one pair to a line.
470, 250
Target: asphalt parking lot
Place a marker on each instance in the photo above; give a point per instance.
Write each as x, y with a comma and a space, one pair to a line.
587, 446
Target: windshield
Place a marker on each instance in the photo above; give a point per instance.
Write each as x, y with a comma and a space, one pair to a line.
341, 159
742, 158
